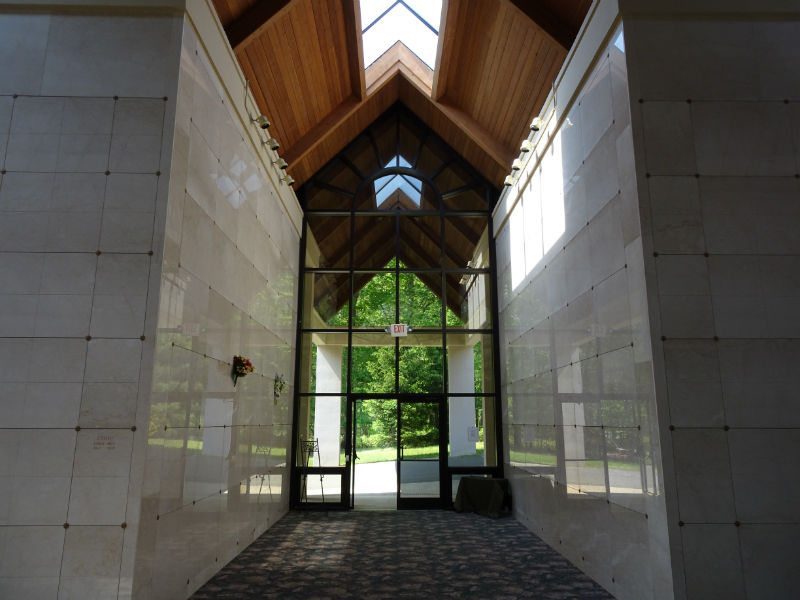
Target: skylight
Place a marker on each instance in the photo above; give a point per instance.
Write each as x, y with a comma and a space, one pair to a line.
413, 22
389, 184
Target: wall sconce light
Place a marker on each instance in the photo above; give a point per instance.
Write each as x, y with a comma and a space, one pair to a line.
272, 143
537, 124
282, 164
517, 164
508, 181
288, 180
262, 121
526, 146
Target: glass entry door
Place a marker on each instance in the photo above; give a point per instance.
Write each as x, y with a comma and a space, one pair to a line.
374, 455
422, 448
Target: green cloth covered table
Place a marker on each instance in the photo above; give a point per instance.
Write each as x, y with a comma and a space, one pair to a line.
490, 497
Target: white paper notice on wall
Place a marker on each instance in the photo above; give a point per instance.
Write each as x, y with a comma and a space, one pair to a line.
472, 434
398, 330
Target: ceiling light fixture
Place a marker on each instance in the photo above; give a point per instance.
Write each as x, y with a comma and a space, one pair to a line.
288, 180
272, 143
516, 165
537, 124
282, 164
526, 146
508, 181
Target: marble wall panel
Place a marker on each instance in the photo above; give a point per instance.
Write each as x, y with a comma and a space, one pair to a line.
717, 161
83, 113
582, 455
216, 468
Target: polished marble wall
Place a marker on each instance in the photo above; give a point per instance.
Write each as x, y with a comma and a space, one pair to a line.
216, 472
85, 104
145, 238
717, 104
580, 419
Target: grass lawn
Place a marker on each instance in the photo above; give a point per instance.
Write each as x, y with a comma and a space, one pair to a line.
373, 455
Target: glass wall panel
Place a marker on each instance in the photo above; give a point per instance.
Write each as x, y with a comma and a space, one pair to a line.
321, 428
466, 242
373, 242
374, 299
419, 450
323, 368
327, 299
316, 488
465, 199
328, 242
384, 261
420, 242
360, 155
470, 299
472, 432
456, 480
470, 365
373, 365
421, 363
421, 299
319, 198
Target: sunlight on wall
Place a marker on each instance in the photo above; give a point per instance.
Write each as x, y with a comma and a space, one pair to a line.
537, 222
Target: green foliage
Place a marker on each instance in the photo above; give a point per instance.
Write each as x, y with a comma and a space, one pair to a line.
421, 367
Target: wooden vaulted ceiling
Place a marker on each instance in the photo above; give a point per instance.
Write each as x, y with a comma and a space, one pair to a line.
496, 62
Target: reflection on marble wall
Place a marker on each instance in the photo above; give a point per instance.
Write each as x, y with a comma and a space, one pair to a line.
582, 440
216, 469
82, 126
719, 113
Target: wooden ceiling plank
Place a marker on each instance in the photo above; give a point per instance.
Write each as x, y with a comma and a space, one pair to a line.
523, 63
501, 155
444, 48
298, 80
560, 32
253, 21
355, 50
322, 130
516, 117
312, 55
336, 73
263, 83
452, 125
485, 101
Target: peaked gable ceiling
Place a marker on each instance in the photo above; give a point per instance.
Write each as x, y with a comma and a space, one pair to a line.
496, 61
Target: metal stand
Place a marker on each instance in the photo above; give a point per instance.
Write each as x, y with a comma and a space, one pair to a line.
309, 449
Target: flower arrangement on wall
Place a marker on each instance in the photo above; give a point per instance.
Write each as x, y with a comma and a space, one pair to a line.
240, 367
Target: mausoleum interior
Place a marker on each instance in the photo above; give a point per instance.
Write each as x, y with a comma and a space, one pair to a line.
266, 261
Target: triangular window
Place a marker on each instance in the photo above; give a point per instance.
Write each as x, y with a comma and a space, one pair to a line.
413, 22
386, 186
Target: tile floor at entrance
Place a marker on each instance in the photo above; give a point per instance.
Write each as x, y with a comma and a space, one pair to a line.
399, 554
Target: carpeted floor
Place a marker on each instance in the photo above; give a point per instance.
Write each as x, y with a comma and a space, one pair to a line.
399, 554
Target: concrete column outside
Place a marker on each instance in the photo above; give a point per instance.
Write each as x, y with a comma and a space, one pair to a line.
461, 378
327, 410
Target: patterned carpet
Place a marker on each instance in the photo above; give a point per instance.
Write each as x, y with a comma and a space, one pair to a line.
399, 554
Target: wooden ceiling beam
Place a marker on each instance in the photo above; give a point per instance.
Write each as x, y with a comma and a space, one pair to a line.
546, 20
445, 48
321, 131
252, 22
355, 50
499, 154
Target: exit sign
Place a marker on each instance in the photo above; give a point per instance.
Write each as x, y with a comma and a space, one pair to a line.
398, 330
